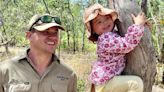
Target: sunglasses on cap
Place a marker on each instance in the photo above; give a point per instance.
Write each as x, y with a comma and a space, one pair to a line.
47, 19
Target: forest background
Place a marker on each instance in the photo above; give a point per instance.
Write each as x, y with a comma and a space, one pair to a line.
74, 49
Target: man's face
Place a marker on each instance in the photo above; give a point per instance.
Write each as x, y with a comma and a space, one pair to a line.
46, 41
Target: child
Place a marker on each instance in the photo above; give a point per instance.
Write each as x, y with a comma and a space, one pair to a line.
111, 49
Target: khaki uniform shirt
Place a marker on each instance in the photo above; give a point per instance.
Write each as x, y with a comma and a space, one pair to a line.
18, 75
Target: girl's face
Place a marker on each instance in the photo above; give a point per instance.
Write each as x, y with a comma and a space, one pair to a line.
102, 23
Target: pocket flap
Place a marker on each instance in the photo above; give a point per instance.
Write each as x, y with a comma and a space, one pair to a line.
19, 87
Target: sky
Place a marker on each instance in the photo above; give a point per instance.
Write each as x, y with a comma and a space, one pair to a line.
84, 1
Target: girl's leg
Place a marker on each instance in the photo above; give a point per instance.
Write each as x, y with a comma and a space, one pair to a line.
96, 88
99, 88
124, 84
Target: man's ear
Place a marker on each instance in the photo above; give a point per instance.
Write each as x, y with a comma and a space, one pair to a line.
28, 34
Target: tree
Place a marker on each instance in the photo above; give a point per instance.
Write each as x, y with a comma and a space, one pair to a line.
141, 61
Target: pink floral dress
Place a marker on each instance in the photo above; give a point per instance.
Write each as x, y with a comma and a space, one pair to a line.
111, 49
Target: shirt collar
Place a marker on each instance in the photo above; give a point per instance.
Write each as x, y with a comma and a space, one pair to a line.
24, 56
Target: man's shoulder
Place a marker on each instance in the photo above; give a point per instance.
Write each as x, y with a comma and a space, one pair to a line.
65, 68
12, 61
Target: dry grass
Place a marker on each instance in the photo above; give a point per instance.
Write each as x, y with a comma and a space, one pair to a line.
160, 70
81, 64
12, 52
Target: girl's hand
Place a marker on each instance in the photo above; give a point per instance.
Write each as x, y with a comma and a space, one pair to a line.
140, 19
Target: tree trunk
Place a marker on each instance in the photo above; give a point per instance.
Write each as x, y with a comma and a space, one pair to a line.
141, 61
161, 58
73, 28
163, 78
83, 40
144, 6
84, 30
68, 35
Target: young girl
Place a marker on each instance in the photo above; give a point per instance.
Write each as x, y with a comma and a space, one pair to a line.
111, 49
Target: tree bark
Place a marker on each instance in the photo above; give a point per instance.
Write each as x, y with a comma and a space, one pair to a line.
73, 28
144, 6
163, 78
141, 61
161, 58
47, 10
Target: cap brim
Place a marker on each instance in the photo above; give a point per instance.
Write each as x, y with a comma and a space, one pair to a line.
45, 26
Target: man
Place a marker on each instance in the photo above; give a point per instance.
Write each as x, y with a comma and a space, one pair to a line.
39, 69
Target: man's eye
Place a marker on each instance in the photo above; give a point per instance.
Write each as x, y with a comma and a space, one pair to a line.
56, 33
107, 17
46, 32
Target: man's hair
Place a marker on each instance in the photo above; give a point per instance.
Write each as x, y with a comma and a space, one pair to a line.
33, 30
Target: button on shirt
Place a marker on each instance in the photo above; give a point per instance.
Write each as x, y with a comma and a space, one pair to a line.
18, 75
111, 49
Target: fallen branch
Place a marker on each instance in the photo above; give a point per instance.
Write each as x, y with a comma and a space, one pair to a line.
6, 42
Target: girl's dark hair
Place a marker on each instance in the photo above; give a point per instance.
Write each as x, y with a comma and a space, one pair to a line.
94, 37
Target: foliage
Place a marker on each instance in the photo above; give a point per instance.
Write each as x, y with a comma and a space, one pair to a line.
156, 13
80, 85
15, 15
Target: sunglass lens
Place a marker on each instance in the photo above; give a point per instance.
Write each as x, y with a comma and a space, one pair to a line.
46, 19
57, 20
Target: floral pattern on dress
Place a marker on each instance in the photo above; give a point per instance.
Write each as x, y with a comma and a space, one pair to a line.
111, 49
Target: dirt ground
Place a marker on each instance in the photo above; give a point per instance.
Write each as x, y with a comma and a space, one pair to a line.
80, 62
157, 89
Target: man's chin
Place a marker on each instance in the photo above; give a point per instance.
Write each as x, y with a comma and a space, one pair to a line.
51, 51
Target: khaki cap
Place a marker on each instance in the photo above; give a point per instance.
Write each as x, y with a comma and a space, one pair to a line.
91, 13
40, 26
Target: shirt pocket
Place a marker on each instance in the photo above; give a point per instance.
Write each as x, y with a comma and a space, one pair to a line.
20, 87
59, 88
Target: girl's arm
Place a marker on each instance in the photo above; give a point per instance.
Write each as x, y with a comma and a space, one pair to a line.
110, 42
113, 43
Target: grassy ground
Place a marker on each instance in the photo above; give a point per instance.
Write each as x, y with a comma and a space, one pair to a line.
81, 64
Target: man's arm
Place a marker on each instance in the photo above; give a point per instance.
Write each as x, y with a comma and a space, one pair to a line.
72, 87
75, 83
1, 86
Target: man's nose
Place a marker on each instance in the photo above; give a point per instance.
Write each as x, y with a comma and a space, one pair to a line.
52, 37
